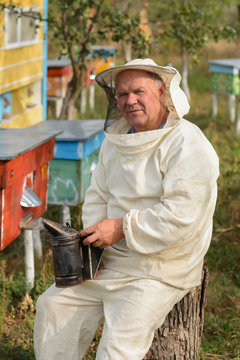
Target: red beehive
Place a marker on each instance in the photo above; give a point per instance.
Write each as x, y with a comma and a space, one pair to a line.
24, 157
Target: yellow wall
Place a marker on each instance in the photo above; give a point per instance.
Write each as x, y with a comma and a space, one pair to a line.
30, 117
27, 3
21, 66
1, 29
27, 69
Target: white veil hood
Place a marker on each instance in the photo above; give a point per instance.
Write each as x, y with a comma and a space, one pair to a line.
175, 100
178, 97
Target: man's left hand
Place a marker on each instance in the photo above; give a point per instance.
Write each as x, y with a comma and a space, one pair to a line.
104, 233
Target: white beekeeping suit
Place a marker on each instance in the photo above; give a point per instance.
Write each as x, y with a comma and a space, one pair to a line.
163, 184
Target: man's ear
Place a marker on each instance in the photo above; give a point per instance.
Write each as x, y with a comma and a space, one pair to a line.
162, 91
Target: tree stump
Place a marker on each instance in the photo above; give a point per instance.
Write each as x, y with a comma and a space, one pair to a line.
180, 335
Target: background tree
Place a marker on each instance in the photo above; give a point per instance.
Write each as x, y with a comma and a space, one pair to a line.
189, 25
136, 8
77, 24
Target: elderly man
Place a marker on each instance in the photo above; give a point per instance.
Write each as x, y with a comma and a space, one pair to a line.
150, 207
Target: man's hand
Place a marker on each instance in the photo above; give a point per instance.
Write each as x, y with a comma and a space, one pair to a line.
103, 234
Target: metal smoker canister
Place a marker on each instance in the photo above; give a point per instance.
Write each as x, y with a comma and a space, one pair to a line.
67, 257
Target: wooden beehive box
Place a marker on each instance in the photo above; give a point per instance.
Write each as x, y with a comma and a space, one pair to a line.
24, 158
75, 156
225, 76
58, 76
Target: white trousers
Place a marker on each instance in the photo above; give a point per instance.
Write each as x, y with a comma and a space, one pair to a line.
131, 309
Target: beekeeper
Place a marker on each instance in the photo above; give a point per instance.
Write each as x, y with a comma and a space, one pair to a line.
150, 205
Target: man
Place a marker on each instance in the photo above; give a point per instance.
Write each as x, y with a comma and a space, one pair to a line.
150, 206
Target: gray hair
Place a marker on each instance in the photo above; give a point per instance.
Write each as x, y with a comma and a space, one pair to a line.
158, 80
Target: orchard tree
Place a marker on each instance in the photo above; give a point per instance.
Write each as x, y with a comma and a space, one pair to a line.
190, 24
195, 24
138, 7
75, 25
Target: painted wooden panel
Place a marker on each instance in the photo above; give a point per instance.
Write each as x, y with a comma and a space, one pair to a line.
78, 138
16, 142
23, 60
102, 57
45, 56
27, 3
58, 71
25, 73
57, 86
69, 179
26, 97
21, 83
88, 165
5, 105
225, 75
222, 82
64, 182
19, 55
17, 32
216, 68
75, 150
75, 155
24, 157
27, 170
2, 39
28, 118
232, 63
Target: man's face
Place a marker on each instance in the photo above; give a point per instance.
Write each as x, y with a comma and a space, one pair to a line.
140, 99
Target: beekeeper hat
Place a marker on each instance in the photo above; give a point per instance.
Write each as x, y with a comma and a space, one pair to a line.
165, 72
175, 99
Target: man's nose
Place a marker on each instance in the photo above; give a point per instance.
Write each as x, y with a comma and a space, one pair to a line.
131, 99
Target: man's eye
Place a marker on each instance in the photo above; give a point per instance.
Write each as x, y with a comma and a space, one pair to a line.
140, 91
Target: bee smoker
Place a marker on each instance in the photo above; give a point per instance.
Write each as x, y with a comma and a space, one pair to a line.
73, 261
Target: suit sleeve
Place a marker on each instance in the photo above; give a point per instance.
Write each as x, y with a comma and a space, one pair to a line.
190, 171
94, 208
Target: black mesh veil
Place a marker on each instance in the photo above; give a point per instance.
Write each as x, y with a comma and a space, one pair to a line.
113, 111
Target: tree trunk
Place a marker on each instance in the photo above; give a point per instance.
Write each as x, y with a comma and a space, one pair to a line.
127, 51
71, 110
83, 105
238, 8
72, 94
185, 74
62, 113
180, 335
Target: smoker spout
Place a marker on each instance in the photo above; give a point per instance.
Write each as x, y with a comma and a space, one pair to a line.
58, 230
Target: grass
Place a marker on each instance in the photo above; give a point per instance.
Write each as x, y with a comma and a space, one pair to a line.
222, 314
